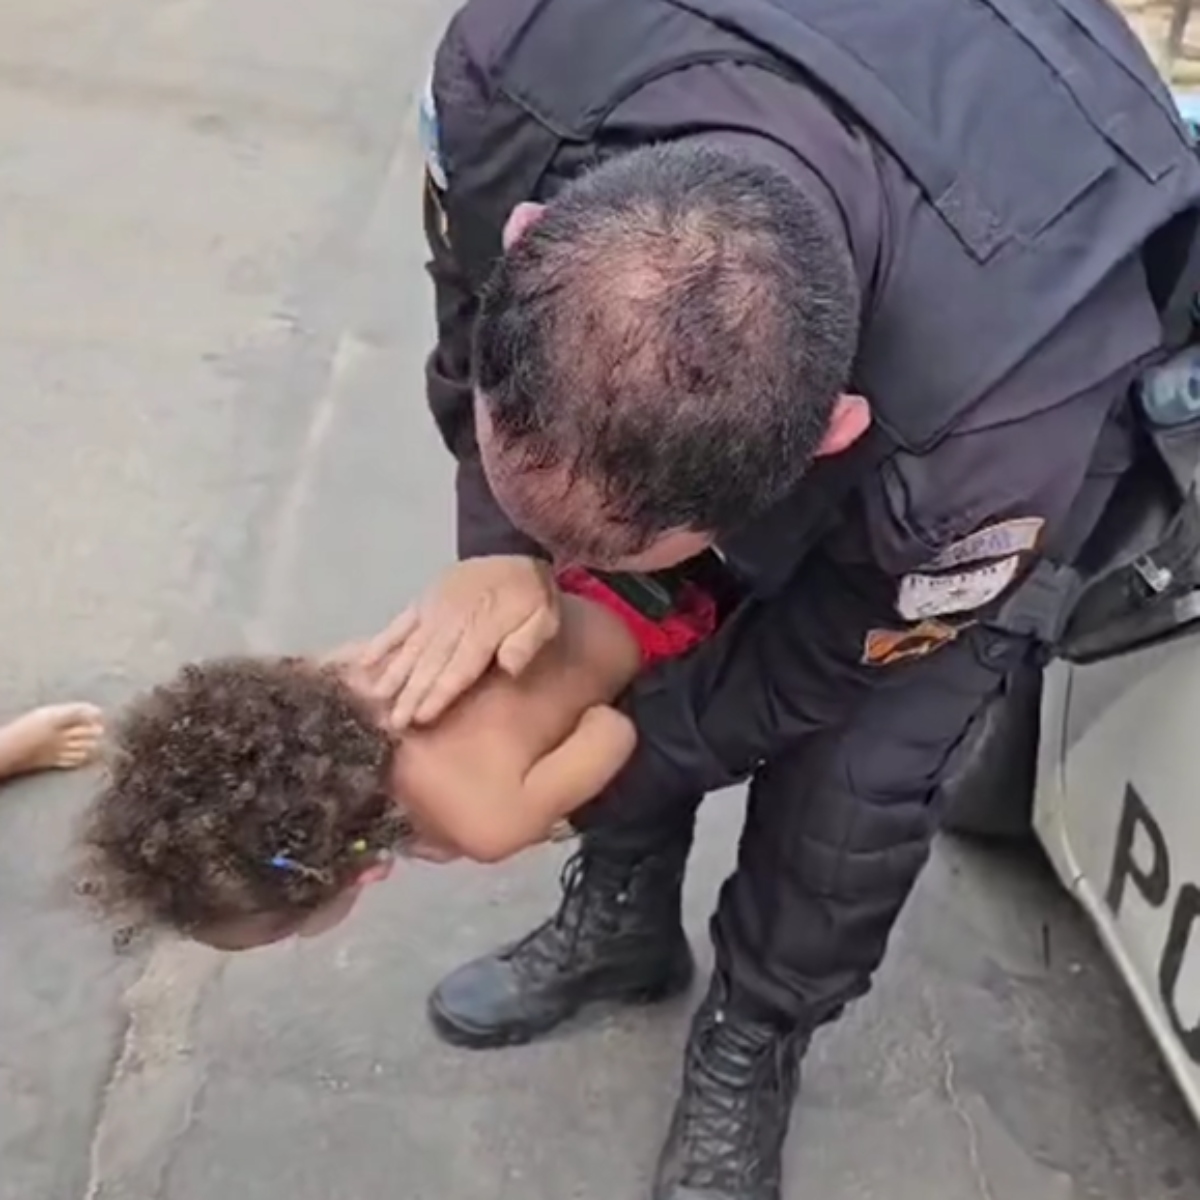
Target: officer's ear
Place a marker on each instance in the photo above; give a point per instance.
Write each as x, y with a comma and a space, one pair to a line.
851, 419
522, 218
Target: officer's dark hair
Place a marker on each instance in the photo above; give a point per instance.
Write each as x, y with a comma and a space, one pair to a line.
673, 332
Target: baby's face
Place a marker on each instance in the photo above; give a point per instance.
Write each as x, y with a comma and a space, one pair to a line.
265, 929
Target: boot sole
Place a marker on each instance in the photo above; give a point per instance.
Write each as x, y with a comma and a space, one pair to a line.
456, 1033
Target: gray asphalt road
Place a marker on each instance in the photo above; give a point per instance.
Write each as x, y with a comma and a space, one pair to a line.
212, 436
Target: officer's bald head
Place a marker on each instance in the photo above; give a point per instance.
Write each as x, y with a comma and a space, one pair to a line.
663, 350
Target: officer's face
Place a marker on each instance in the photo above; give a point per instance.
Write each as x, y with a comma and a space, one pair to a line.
566, 515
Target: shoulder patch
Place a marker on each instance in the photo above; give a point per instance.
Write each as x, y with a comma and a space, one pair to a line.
887, 647
924, 596
430, 135
1019, 536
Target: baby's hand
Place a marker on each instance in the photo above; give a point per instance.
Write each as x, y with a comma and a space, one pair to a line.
430, 850
422, 843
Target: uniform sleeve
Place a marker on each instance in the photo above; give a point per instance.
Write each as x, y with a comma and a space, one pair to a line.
482, 526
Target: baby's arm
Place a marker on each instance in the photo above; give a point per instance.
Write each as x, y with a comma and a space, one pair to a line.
579, 769
490, 819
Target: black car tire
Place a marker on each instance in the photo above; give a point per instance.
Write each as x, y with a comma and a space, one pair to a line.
988, 791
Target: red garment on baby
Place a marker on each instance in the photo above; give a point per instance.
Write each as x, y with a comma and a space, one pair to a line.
692, 619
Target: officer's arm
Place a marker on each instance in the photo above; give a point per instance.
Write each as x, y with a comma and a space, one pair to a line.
482, 526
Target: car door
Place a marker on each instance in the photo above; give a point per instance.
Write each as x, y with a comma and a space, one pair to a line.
1125, 830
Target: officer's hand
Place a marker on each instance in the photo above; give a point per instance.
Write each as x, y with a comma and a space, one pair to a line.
501, 609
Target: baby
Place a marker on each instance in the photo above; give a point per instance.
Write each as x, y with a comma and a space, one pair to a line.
252, 799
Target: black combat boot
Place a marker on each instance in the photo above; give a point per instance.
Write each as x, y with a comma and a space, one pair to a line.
740, 1078
617, 935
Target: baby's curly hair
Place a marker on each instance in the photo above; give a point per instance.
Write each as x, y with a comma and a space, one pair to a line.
242, 786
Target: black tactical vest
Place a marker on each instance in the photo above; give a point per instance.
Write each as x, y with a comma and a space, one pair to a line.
1062, 160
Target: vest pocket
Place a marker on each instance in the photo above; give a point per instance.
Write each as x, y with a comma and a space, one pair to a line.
1111, 80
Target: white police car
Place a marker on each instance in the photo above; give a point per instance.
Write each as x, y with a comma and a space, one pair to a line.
1100, 758
1106, 772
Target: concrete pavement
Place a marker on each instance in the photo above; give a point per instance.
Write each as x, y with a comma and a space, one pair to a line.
212, 435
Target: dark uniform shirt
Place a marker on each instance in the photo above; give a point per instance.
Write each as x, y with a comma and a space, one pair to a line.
793, 663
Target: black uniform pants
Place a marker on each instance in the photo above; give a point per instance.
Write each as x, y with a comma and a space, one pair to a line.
836, 833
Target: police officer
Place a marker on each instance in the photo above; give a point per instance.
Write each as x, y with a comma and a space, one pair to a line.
854, 293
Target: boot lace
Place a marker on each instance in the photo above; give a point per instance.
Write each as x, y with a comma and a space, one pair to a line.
594, 894
736, 1105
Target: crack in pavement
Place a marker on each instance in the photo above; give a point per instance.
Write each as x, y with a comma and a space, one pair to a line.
147, 1102
957, 1105
960, 1110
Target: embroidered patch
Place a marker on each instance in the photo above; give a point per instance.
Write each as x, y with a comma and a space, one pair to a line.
1019, 536
923, 596
886, 647
430, 135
